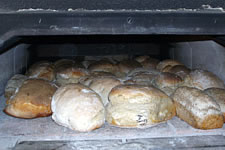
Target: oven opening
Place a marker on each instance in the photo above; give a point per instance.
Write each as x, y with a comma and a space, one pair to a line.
191, 51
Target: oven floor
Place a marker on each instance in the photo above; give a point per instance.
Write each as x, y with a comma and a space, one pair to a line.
43, 131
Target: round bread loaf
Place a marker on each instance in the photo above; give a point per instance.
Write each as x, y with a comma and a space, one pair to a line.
13, 84
103, 85
70, 75
77, 107
202, 80
167, 82
180, 70
60, 62
32, 99
197, 108
140, 59
103, 66
42, 70
142, 78
126, 66
166, 63
86, 80
219, 96
150, 63
138, 106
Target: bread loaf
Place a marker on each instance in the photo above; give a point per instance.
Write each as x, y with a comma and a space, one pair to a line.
202, 80
167, 63
86, 80
77, 107
103, 66
103, 85
180, 70
197, 108
42, 70
70, 75
32, 99
13, 84
138, 106
126, 66
167, 82
219, 96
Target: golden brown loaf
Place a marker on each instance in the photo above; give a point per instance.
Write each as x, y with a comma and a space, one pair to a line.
167, 63
14, 83
197, 108
103, 85
32, 99
70, 75
103, 66
202, 80
42, 70
167, 82
77, 107
179, 70
219, 96
138, 106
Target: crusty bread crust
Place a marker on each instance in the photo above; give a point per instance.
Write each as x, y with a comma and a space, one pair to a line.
32, 100
197, 108
203, 79
42, 70
138, 106
167, 62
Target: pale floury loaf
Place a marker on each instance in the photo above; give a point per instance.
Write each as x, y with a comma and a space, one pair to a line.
138, 106
202, 80
219, 96
103, 85
77, 107
197, 108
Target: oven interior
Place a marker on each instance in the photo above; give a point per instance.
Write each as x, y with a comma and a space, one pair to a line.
194, 51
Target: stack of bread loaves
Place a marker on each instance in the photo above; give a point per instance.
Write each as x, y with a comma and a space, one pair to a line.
126, 92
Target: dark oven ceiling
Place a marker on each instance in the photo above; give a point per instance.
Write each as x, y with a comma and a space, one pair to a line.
104, 17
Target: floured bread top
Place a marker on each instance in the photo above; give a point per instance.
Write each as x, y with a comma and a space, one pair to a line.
103, 66
103, 86
196, 101
167, 62
218, 95
86, 80
203, 79
135, 94
43, 70
142, 71
72, 72
13, 84
77, 107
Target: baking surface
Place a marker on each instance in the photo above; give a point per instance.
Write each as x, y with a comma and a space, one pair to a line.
45, 129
